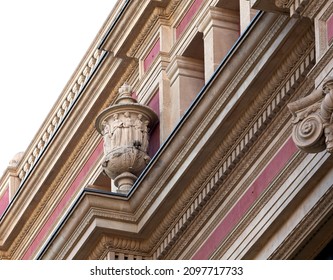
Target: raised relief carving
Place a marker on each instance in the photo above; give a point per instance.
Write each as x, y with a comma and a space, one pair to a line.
301, 8
313, 120
326, 111
125, 128
283, 3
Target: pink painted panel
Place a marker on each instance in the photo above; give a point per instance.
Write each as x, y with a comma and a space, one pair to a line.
188, 17
330, 29
64, 201
4, 201
247, 200
151, 55
134, 95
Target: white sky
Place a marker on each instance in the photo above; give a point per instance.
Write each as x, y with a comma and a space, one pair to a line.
42, 43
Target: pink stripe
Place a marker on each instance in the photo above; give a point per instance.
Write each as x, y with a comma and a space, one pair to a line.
64, 201
187, 18
4, 201
250, 196
151, 55
330, 29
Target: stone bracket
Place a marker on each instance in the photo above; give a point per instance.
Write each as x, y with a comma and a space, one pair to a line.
313, 120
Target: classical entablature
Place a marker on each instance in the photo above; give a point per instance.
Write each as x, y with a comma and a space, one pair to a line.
133, 232
219, 175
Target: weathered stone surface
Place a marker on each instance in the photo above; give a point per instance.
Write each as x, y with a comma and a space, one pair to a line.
125, 127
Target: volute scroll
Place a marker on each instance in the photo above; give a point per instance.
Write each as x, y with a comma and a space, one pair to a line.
313, 120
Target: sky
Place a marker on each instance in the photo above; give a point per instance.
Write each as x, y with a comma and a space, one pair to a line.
42, 43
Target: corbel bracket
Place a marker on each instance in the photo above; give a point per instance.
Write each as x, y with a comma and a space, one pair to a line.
313, 120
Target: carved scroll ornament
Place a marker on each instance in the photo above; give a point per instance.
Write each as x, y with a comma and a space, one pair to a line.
313, 120
125, 129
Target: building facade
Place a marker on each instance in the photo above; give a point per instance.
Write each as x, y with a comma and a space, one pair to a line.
190, 130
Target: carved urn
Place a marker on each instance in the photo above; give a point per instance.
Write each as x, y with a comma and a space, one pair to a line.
125, 128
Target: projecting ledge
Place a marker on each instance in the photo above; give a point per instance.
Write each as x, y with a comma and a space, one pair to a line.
268, 6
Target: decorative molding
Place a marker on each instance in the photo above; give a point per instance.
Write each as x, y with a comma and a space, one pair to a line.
313, 8
17, 248
308, 222
250, 126
20, 242
109, 247
304, 8
211, 116
146, 29
262, 201
267, 114
313, 120
158, 13
31, 158
252, 122
230, 151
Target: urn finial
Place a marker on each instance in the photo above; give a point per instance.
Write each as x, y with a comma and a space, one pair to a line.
125, 128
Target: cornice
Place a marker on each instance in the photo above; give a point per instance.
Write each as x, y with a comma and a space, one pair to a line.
157, 14
194, 197
262, 117
18, 245
31, 226
202, 126
198, 192
254, 210
144, 15
117, 241
219, 17
304, 227
59, 113
305, 8
183, 151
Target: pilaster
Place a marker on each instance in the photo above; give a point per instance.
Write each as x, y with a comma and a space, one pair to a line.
166, 37
186, 77
220, 28
245, 14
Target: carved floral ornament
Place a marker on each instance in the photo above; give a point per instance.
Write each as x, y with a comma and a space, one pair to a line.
313, 120
125, 128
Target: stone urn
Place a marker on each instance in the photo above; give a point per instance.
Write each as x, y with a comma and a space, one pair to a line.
125, 128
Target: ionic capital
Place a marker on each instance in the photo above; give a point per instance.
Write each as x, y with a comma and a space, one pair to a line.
313, 120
